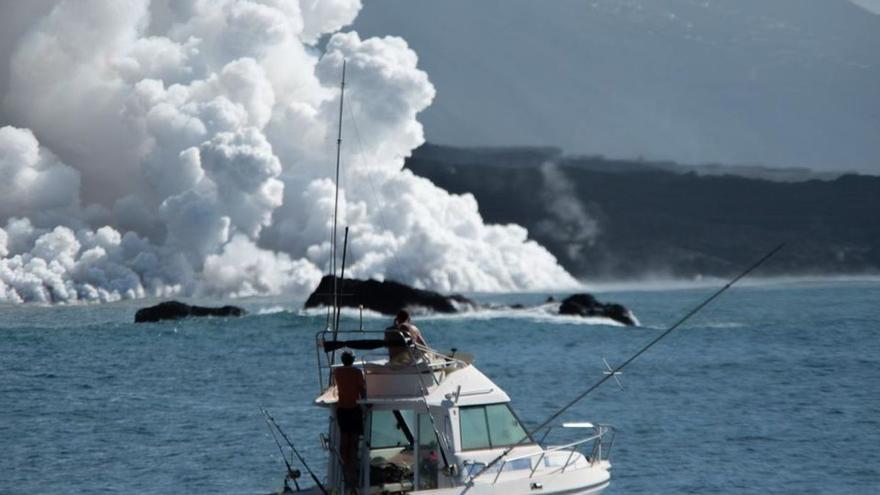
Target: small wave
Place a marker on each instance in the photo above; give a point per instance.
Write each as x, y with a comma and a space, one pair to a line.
367, 314
271, 310
547, 313
723, 324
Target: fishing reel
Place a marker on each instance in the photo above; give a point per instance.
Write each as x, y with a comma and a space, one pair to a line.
292, 475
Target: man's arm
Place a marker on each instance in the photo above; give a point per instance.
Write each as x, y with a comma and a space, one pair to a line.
417, 336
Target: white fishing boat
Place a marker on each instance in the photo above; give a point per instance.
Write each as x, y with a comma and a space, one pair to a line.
441, 426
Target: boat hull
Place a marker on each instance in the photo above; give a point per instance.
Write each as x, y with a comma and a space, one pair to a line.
583, 481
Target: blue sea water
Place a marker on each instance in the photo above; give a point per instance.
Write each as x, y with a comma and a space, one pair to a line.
775, 388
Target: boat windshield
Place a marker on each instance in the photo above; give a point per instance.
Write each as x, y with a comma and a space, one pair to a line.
491, 426
391, 429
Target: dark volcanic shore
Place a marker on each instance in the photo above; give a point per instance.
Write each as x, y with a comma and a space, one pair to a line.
626, 219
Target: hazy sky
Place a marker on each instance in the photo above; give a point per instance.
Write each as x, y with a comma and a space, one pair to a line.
774, 82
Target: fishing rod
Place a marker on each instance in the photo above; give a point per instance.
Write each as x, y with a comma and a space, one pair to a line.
292, 474
302, 461
612, 373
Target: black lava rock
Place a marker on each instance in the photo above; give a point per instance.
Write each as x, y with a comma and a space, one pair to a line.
387, 297
587, 305
175, 310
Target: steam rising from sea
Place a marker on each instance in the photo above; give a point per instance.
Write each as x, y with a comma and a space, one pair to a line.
187, 147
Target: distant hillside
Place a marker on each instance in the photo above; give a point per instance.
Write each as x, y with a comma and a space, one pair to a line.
607, 219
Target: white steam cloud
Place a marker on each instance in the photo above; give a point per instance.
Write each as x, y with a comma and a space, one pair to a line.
186, 147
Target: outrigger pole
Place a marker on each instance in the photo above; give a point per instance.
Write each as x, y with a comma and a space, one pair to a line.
608, 375
333, 317
336, 204
333, 313
336, 200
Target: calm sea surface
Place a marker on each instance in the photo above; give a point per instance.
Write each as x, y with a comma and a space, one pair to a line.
772, 389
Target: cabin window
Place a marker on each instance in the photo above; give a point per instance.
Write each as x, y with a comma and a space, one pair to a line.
504, 428
486, 427
391, 429
474, 429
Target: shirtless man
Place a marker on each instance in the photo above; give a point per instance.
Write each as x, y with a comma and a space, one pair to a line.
350, 386
403, 325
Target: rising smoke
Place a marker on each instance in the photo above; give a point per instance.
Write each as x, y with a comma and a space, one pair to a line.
187, 147
567, 221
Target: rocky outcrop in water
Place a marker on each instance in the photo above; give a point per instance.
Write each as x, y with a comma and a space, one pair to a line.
389, 297
587, 305
386, 297
175, 310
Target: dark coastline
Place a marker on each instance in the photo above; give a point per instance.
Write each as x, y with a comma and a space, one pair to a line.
611, 219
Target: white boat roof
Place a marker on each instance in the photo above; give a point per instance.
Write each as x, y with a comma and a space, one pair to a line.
476, 388
410, 387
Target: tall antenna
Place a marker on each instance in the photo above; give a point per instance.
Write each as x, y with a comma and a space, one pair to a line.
334, 235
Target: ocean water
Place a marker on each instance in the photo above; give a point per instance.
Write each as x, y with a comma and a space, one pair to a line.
775, 388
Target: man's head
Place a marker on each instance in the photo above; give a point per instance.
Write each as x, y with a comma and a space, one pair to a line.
347, 358
402, 317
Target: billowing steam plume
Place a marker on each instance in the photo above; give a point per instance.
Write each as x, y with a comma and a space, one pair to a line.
187, 147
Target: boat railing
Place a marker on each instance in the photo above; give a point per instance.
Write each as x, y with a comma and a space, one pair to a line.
602, 446
602, 441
